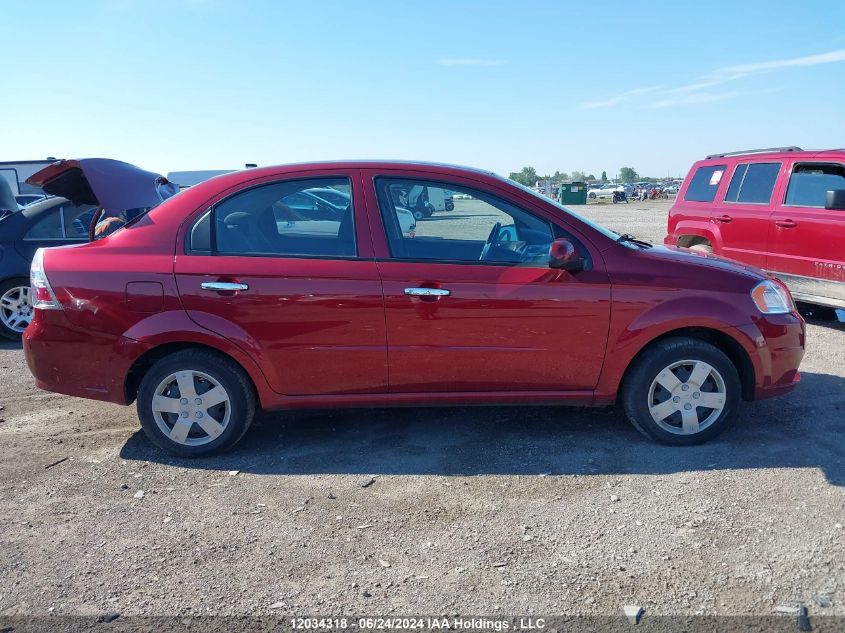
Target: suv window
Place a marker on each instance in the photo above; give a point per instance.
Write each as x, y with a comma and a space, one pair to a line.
705, 182
276, 219
809, 184
753, 183
481, 227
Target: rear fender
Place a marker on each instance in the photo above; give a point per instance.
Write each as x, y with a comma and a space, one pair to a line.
176, 327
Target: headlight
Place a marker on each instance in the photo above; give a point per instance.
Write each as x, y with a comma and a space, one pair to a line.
772, 297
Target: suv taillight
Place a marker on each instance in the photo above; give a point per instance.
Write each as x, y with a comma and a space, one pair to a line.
43, 297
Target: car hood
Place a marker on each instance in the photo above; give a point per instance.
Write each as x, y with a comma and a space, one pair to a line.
112, 184
674, 254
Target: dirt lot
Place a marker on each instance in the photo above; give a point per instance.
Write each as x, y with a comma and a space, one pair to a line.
472, 511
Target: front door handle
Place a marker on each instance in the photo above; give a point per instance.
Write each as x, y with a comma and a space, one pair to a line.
224, 286
427, 292
724, 219
786, 224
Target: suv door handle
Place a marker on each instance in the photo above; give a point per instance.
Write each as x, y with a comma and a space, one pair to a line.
786, 224
723, 219
223, 286
427, 292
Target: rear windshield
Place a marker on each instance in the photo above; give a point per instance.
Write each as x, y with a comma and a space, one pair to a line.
705, 182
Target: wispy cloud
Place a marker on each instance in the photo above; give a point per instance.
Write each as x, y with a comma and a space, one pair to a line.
809, 60
461, 61
624, 96
698, 91
705, 97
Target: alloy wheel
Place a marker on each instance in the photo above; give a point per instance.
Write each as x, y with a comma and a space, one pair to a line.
687, 397
16, 308
191, 408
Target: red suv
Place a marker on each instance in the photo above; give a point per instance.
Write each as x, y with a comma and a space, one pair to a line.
227, 298
780, 209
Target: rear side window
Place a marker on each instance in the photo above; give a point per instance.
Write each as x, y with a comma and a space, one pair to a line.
283, 219
47, 228
753, 183
809, 184
705, 182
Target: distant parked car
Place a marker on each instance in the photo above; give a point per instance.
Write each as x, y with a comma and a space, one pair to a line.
671, 189
782, 210
604, 192
206, 310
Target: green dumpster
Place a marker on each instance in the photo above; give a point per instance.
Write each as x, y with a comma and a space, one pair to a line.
574, 192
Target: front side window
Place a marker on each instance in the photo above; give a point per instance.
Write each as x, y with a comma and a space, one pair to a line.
809, 184
480, 227
753, 183
282, 219
705, 182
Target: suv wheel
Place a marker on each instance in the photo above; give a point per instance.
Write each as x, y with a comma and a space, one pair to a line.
681, 391
15, 308
195, 402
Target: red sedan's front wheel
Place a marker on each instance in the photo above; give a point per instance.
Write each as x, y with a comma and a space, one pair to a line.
681, 391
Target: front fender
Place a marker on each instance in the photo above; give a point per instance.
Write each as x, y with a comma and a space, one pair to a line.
692, 310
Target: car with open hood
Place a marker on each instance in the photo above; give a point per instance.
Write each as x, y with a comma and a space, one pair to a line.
210, 307
79, 189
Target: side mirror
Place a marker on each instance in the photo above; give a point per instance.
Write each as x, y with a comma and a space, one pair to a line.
835, 200
563, 256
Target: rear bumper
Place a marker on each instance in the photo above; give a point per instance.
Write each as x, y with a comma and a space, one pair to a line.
67, 360
776, 346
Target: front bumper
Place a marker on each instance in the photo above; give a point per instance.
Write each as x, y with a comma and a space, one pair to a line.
776, 346
65, 359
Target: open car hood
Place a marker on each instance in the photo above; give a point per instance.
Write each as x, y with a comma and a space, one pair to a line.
112, 184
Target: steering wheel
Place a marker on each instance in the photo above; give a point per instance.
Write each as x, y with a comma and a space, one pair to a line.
494, 234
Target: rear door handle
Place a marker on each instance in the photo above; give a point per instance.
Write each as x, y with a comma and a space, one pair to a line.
723, 219
427, 292
786, 224
224, 286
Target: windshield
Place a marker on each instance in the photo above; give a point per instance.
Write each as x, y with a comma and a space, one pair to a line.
598, 227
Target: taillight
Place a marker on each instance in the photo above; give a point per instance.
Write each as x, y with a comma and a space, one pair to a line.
43, 297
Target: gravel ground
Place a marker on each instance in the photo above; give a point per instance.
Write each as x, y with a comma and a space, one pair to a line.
490, 510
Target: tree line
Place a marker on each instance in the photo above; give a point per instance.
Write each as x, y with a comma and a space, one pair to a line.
528, 176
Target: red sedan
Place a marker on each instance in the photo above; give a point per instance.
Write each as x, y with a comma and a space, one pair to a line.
242, 293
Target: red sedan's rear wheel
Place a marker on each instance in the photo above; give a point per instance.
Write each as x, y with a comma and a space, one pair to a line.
195, 402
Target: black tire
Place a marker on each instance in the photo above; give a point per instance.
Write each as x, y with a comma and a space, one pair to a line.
591, 196
450, 206
655, 359
226, 373
419, 215
6, 286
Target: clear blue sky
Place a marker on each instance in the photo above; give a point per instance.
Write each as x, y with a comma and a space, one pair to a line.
212, 84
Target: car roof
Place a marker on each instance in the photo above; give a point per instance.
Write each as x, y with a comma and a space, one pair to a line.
774, 153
